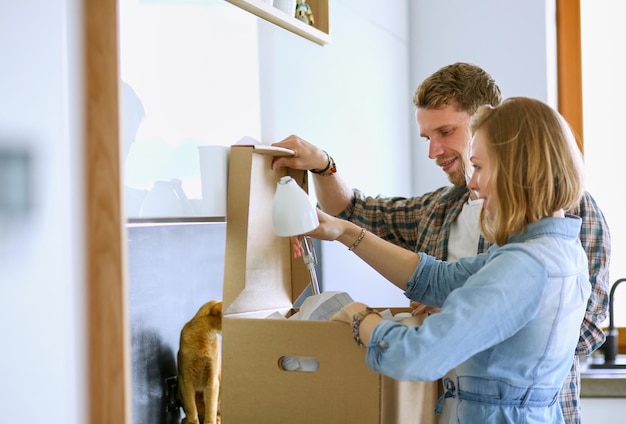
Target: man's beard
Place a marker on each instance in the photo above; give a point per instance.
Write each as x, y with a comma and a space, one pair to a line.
458, 178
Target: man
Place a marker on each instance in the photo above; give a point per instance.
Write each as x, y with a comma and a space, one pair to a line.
444, 222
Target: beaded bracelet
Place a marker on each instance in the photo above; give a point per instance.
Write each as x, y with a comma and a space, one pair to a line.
358, 240
330, 169
356, 323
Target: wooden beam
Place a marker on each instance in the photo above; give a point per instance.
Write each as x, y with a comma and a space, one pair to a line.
569, 65
107, 329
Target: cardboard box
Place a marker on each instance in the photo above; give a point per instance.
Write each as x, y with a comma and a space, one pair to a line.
260, 278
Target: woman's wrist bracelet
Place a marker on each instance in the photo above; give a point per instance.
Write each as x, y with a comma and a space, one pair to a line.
356, 323
358, 240
330, 169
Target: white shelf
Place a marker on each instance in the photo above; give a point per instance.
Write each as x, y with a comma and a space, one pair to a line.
318, 34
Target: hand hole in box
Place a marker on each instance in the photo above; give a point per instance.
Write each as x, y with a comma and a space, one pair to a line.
298, 363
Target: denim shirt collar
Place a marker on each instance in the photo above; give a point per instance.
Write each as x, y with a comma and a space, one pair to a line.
564, 227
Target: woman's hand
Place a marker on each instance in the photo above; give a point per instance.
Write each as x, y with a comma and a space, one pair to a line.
330, 229
346, 313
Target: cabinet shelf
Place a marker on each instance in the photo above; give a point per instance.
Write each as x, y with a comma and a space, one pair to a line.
318, 33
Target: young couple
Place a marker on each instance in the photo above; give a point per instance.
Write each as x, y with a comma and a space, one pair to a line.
518, 299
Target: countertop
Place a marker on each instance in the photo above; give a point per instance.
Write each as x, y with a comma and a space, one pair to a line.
599, 382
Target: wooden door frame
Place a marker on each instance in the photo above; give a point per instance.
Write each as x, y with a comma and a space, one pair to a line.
108, 351
569, 66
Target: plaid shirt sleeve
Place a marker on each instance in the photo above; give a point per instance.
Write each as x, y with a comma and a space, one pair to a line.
415, 223
596, 240
390, 218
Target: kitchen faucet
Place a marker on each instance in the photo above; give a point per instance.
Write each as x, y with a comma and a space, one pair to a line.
610, 345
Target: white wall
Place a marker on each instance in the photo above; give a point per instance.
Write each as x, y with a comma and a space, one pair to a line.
41, 275
352, 97
509, 39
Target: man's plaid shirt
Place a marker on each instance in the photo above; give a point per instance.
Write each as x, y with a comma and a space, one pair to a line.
423, 224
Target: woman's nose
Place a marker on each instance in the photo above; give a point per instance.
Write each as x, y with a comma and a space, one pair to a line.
471, 183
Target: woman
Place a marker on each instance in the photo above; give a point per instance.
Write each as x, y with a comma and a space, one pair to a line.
516, 310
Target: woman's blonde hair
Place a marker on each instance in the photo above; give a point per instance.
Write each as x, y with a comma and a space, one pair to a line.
536, 165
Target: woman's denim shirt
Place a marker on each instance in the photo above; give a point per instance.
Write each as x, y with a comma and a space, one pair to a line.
511, 315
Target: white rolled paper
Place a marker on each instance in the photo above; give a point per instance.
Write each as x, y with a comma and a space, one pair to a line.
214, 179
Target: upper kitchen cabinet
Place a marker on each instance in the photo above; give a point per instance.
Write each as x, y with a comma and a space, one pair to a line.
270, 10
189, 89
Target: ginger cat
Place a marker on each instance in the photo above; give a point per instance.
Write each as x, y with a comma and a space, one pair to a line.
199, 365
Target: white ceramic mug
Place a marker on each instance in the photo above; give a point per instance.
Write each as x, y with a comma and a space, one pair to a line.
166, 200
286, 6
214, 179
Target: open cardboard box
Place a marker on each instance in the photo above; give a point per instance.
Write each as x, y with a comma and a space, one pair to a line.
260, 278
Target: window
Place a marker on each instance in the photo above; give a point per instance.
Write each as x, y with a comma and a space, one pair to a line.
603, 92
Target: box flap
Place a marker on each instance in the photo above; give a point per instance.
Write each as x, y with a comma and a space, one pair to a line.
259, 272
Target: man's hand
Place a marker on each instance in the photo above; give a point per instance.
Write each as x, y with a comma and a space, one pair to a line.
306, 156
419, 309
